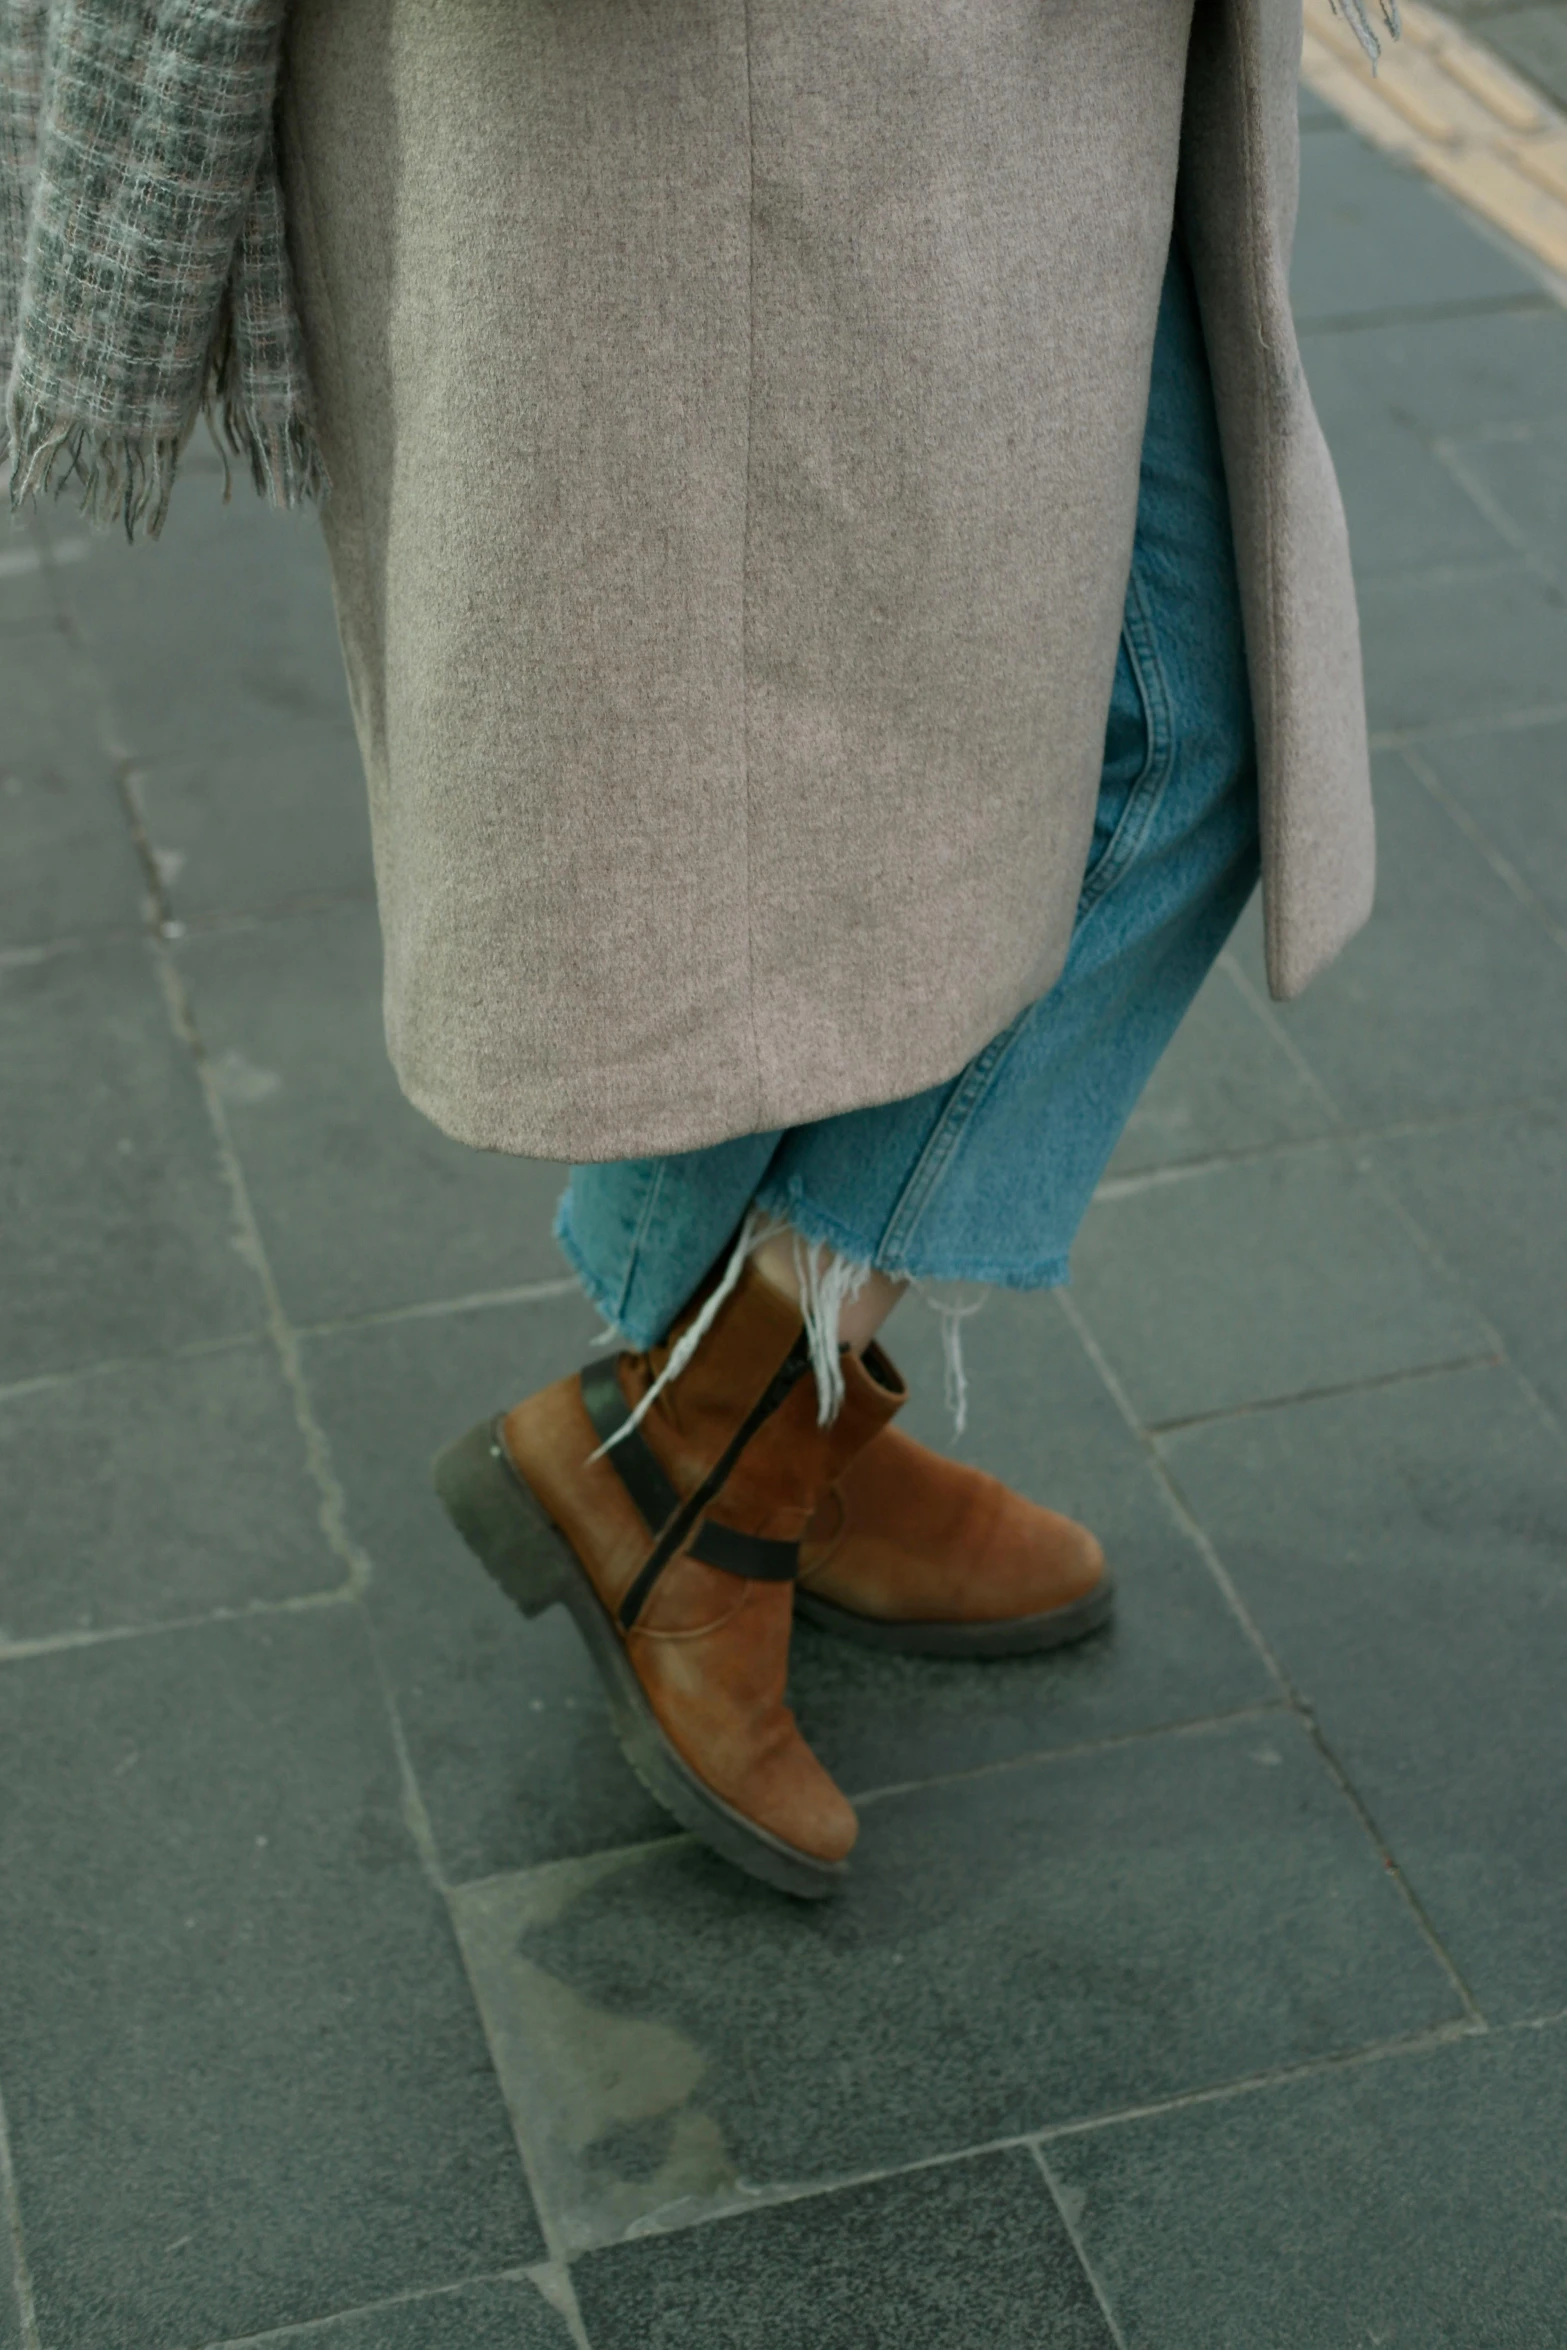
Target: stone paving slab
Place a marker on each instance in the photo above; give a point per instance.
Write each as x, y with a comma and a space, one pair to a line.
259, 824
1227, 1084
1403, 1552
244, 2078
1414, 2203
1427, 664
1491, 1197
27, 598
67, 863
1323, 1287
1021, 1947
255, 653
974, 2252
156, 1491
1521, 471
1531, 35
362, 1203
1476, 370
1507, 790
1409, 510
1470, 1034
509, 2313
116, 1231
1373, 239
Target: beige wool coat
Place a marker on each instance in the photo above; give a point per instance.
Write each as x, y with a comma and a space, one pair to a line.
734, 411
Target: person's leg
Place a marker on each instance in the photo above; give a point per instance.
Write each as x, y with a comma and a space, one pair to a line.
987, 1179
643, 1234
672, 1494
784, 1259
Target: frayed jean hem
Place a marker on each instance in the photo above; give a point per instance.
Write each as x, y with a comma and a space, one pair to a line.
606, 1297
825, 1230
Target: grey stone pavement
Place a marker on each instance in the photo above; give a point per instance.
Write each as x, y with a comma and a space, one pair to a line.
1530, 34
1204, 1989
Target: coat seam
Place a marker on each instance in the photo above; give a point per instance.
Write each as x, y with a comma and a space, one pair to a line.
1272, 912
758, 1119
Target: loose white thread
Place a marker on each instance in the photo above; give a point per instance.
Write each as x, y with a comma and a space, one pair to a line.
753, 1232
953, 1311
828, 1282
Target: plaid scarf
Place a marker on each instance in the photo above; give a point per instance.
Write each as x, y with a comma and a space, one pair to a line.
144, 273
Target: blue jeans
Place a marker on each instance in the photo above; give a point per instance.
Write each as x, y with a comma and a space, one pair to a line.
987, 1177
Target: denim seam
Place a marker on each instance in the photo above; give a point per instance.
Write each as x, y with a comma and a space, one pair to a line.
934, 1159
634, 1253
1153, 691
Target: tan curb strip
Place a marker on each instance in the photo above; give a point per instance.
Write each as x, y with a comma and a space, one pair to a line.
1446, 104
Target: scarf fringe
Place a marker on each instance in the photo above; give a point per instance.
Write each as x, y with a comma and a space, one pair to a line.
277, 444
1362, 27
281, 452
121, 477
127, 479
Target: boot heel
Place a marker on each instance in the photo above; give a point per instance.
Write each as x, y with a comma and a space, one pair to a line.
496, 1515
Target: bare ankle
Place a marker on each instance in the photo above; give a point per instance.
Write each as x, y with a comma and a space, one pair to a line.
861, 1314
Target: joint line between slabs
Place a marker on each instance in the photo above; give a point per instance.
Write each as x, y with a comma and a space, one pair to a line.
1421, 1240
609, 1857
1463, 729
332, 1511
1038, 1757
28, 955
1446, 448
21, 2274
1387, 1191
408, 2300
525, 1293
1314, 2068
240, 921
1174, 1500
1295, 1146
1504, 869
333, 1506
1348, 322
191, 1350
1475, 572
1075, 2238
1393, 2050
1370, 1385
1198, 1534
300, 1603
564, 2298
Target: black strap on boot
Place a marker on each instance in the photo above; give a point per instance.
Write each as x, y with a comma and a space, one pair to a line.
636, 1465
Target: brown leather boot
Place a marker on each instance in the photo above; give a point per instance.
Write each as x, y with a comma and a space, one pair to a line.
912, 1551
676, 1553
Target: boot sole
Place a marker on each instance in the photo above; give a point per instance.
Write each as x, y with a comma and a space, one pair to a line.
501, 1520
1016, 1636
